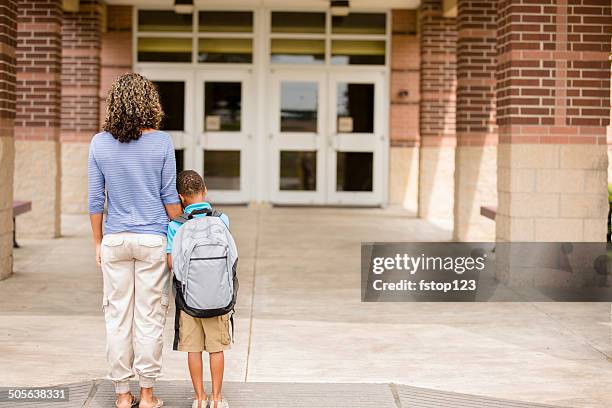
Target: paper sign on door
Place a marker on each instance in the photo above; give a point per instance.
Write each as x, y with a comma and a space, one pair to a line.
345, 124
213, 122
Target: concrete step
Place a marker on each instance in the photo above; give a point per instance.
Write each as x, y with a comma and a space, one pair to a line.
178, 394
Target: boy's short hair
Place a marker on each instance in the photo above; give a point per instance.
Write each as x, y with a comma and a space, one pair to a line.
189, 182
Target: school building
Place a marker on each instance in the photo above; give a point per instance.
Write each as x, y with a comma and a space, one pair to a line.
438, 106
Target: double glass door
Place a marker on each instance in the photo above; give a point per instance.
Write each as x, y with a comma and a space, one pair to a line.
326, 138
324, 144
207, 114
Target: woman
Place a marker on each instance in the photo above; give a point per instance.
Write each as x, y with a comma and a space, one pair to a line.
132, 166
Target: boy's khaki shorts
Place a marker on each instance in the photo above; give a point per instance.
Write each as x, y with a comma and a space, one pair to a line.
210, 334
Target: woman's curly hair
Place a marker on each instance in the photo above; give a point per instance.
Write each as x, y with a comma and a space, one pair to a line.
132, 105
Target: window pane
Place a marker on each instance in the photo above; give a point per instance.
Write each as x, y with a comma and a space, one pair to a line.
298, 170
222, 169
226, 50
354, 171
163, 20
360, 23
164, 49
349, 52
291, 22
299, 107
355, 107
222, 104
179, 156
226, 21
172, 98
286, 51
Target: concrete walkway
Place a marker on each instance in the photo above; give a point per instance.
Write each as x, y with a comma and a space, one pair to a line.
177, 394
300, 319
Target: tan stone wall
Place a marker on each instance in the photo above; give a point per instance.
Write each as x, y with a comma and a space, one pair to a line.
552, 193
7, 155
436, 182
37, 165
404, 177
477, 187
74, 177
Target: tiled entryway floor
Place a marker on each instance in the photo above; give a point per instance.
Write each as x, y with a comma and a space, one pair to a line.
300, 319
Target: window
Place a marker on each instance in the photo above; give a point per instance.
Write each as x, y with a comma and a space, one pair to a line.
291, 22
298, 170
300, 38
153, 49
222, 37
172, 99
290, 51
299, 107
164, 20
225, 21
222, 169
227, 50
222, 104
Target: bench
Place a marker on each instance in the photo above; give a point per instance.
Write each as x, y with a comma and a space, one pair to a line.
488, 211
19, 207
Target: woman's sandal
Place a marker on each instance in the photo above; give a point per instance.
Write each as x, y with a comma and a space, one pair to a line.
134, 402
202, 403
158, 403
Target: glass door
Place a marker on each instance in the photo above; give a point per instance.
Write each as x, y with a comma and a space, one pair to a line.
297, 139
356, 139
224, 124
176, 94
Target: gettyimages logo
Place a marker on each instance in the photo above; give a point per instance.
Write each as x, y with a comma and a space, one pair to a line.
486, 271
412, 265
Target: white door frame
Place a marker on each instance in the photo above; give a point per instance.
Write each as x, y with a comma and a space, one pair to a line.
296, 141
182, 140
227, 140
356, 142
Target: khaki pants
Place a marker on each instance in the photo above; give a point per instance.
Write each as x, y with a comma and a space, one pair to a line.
135, 301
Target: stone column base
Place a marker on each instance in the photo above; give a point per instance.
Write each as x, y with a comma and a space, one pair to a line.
436, 182
37, 179
404, 177
74, 177
552, 193
475, 186
7, 155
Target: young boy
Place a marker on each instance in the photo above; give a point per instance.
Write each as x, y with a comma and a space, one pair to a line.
200, 334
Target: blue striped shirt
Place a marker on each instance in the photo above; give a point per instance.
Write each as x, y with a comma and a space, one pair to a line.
137, 179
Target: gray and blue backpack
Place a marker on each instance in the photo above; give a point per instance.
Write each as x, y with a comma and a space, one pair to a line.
204, 263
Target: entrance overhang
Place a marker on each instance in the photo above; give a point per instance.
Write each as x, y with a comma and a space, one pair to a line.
284, 4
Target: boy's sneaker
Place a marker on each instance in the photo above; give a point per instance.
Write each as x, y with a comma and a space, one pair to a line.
222, 403
204, 404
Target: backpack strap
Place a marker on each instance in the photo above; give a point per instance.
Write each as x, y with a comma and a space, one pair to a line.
181, 219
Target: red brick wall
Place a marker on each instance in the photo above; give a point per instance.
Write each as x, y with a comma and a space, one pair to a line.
438, 75
81, 43
116, 56
38, 69
8, 42
553, 71
405, 92
476, 64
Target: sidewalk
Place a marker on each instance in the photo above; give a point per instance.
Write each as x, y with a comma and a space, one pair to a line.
178, 394
300, 320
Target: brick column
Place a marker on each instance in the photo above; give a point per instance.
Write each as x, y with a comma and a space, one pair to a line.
116, 58
553, 106
476, 153
81, 42
437, 111
404, 115
37, 124
8, 41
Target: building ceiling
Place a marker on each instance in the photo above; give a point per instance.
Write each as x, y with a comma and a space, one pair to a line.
302, 4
